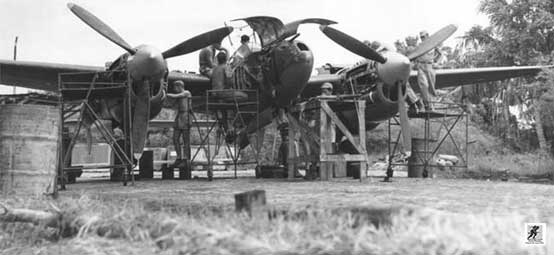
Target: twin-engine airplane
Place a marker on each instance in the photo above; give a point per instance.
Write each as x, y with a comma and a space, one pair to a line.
280, 71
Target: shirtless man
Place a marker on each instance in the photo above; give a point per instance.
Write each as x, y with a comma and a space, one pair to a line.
206, 58
181, 128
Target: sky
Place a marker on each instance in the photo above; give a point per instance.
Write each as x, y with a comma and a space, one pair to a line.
49, 32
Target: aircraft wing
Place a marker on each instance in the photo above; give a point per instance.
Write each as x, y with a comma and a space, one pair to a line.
313, 88
459, 77
37, 75
44, 76
195, 83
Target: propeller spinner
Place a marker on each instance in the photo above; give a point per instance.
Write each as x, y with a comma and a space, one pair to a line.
396, 71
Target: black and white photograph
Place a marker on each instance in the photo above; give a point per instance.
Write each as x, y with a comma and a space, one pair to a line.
276, 127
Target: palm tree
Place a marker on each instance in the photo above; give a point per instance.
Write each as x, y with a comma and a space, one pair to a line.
477, 37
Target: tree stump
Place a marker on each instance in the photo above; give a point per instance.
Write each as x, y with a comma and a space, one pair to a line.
253, 202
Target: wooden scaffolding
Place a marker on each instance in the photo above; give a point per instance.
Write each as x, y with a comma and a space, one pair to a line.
319, 141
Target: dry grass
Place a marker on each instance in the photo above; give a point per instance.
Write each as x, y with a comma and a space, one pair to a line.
487, 154
441, 217
529, 164
132, 228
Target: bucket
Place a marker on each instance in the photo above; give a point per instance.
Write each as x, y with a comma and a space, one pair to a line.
416, 163
28, 149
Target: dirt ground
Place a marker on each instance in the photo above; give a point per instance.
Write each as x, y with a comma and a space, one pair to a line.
452, 195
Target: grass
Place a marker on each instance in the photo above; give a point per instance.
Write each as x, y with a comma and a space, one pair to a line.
518, 165
487, 154
132, 227
339, 217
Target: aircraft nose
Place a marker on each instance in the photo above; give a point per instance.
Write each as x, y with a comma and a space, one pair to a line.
294, 78
396, 69
146, 63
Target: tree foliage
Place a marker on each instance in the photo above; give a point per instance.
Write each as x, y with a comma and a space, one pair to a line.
525, 29
521, 33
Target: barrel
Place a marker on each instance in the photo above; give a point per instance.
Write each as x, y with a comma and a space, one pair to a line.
416, 162
28, 149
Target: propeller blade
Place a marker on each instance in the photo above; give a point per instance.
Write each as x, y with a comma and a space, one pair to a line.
198, 42
141, 117
100, 27
404, 121
433, 41
264, 118
352, 44
292, 28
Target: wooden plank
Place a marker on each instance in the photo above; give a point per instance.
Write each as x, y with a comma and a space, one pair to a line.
360, 107
306, 132
327, 136
305, 158
341, 126
342, 157
339, 170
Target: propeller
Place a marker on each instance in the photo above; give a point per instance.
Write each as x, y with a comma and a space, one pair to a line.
433, 41
141, 116
292, 27
141, 113
100, 27
188, 46
352, 44
198, 42
404, 121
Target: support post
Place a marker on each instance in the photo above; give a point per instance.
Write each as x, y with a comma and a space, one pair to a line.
360, 108
327, 136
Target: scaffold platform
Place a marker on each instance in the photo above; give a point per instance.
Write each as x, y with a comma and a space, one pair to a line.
435, 129
226, 112
80, 95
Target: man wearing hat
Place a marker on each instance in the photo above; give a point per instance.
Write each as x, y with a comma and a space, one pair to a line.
327, 89
426, 72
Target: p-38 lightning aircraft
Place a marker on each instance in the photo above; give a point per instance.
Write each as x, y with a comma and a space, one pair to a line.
280, 71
